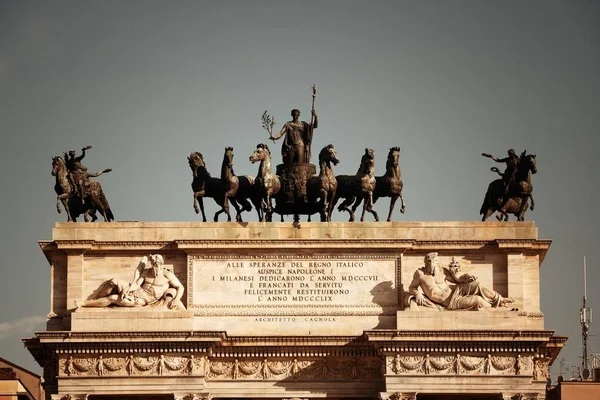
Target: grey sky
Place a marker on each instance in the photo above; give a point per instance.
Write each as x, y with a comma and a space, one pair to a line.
147, 82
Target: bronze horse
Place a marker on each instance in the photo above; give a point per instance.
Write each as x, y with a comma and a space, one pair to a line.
388, 185
361, 186
516, 201
324, 186
238, 189
266, 184
204, 185
94, 201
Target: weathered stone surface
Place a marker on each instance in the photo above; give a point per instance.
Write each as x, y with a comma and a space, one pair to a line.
305, 310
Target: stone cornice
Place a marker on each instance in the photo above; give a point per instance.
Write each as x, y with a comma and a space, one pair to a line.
395, 246
466, 335
89, 337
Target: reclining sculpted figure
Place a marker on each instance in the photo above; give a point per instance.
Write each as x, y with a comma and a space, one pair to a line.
152, 284
430, 288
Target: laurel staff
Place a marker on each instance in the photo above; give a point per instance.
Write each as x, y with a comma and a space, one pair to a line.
268, 123
312, 123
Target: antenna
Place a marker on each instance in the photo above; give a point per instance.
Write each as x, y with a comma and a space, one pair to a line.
585, 318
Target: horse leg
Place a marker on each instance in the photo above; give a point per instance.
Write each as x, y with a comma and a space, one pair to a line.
502, 210
64, 198
330, 206
368, 206
226, 207
323, 212
365, 206
523, 208
201, 203
259, 209
216, 217
532, 202
392, 204
487, 213
222, 210
403, 206
356, 204
238, 210
344, 207
196, 209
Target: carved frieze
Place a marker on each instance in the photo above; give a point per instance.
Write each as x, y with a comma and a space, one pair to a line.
130, 365
333, 368
459, 364
336, 368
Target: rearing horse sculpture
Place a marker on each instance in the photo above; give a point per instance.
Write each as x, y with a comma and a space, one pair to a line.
516, 201
266, 184
389, 185
324, 186
73, 205
361, 185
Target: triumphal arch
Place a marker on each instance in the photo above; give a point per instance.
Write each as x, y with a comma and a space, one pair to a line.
271, 310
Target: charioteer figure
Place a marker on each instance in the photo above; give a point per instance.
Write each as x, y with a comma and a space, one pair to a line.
298, 138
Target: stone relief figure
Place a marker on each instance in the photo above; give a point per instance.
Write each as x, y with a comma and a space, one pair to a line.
130, 364
69, 369
152, 285
100, 365
396, 365
442, 288
161, 365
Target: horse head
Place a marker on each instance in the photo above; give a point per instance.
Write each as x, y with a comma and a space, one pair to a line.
57, 164
261, 153
393, 159
328, 154
228, 157
528, 162
367, 162
196, 160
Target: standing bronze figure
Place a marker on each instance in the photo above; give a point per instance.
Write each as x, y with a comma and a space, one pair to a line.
298, 136
511, 193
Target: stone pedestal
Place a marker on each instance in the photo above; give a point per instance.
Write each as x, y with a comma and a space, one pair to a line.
305, 310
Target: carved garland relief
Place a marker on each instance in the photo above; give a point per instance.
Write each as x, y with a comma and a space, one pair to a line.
459, 365
345, 368
132, 365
